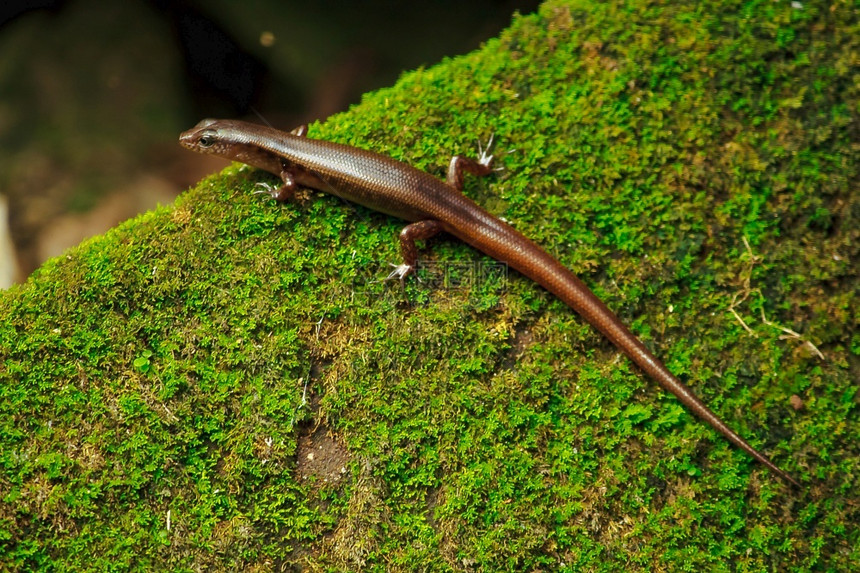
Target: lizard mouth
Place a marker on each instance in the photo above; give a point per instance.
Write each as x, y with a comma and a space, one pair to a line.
201, 137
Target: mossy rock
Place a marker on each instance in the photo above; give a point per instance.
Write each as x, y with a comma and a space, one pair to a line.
225, 384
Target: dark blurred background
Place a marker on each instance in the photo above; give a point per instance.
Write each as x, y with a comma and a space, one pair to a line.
94, 93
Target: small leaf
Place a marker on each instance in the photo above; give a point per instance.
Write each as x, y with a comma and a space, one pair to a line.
142, 362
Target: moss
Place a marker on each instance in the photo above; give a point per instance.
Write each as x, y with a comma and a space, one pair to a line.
234, 368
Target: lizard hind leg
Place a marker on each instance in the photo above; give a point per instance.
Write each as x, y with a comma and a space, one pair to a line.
411, 233
479, 167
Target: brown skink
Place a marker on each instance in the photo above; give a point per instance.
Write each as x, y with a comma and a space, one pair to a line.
392, 187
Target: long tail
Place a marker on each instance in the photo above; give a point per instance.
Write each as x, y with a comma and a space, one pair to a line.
503, 243
579, 297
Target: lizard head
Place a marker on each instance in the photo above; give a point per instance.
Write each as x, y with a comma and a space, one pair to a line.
234, 140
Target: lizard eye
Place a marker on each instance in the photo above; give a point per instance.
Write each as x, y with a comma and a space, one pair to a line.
207, 139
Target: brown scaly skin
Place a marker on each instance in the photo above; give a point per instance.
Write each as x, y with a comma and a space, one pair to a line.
392, 187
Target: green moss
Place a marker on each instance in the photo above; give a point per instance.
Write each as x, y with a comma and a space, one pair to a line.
236, 365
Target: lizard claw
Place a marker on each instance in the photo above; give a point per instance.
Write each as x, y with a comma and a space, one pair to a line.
401, 272
484, 156
281, 193
266, 189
